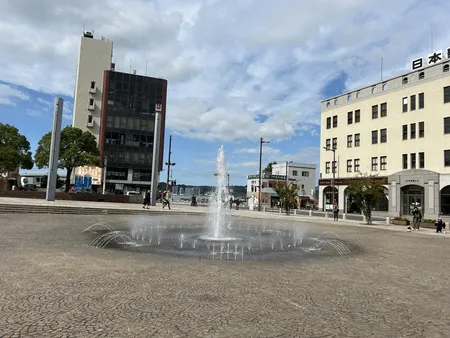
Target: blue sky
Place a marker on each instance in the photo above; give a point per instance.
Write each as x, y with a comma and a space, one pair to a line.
237, 70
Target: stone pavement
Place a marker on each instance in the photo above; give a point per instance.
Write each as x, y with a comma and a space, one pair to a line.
52, 284
182, 207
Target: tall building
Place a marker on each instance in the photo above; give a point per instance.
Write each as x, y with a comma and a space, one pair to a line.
95, 56
397, 129
119, 110
302, 174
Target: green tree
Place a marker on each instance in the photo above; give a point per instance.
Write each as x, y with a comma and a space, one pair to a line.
288, 194
268, 169
77, 148
366, 190
14, 149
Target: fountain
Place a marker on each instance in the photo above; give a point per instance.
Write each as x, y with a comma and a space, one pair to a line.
219, 237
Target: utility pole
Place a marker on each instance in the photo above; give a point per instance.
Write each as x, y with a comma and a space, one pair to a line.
261, 141
105, 165
155, 158
333, 170
287, 182
168, 163
54, 149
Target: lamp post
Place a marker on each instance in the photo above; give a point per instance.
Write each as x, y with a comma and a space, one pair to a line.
333, 169
105, 165
287, 182
261, 141
168, 163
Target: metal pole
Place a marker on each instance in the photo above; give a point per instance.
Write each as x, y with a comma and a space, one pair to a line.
168, 163
260, 173
155, 159
334, 173
228, 176
287, 205
105, 164
54, 149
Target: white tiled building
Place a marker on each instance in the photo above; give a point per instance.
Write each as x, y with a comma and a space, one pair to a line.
398, 129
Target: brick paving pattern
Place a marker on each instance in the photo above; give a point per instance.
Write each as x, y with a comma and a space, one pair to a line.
52, 284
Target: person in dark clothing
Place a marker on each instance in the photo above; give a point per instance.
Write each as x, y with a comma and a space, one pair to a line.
146, 199
231, 203
335, 212
166, 199
194, 201
238, 201
417, 217
440, 225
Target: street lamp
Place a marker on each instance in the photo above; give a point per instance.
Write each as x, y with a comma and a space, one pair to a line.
261, 141
333, 169
287, 182
168, 163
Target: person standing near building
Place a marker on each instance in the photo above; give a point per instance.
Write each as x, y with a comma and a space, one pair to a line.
336, 211
146, 199
417, 217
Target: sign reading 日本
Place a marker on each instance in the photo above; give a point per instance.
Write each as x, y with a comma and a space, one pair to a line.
432, 59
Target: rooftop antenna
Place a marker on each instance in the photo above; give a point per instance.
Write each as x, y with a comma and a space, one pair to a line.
381, 69
146, 65
131, 60
432, 38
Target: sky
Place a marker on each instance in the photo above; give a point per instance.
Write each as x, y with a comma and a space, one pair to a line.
237, 70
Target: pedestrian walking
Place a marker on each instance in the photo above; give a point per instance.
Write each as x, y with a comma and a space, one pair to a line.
417, 217
166, 199
146, 199
440, 225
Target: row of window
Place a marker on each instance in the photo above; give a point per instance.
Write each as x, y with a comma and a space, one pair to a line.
413, 161
405, 81
412, 102
383, 110
129, 139
350, 117
383, 136
335, 122
412, 130
304, 173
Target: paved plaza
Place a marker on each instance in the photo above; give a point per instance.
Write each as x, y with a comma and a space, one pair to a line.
53, 284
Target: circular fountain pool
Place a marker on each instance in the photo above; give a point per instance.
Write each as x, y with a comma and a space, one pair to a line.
240, 240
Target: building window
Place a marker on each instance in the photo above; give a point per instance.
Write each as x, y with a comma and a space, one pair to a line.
350, 117
357, 140
413, 161
374, 136
349, 166
374, 163
446, 125
349, 141
335, 102
357, 116
421, 75
294, 172
91, 101
349, 97
383, 162
374, 90
421, 100
92, 84
356, 164
405, 104
421, 129
447, 158
327, 167
328, 122
90, 119
405, 161
335, 121
446, 68
421, 160
447, 94
384, 86
383, 135
335, 143
375, 112
383, 108
328, 104
305, 173
413, 102
357, 95
412, 131
328, 143
405, 80
405, 131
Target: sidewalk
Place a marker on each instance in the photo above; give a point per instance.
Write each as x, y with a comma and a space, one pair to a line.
185, 208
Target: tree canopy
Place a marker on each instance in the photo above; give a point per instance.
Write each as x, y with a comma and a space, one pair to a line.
268, 169
366, 190
14, 149
288, 194
77, 148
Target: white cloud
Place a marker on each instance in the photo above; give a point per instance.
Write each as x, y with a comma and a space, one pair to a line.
235, 72
46, 103
34, 113
9, 95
